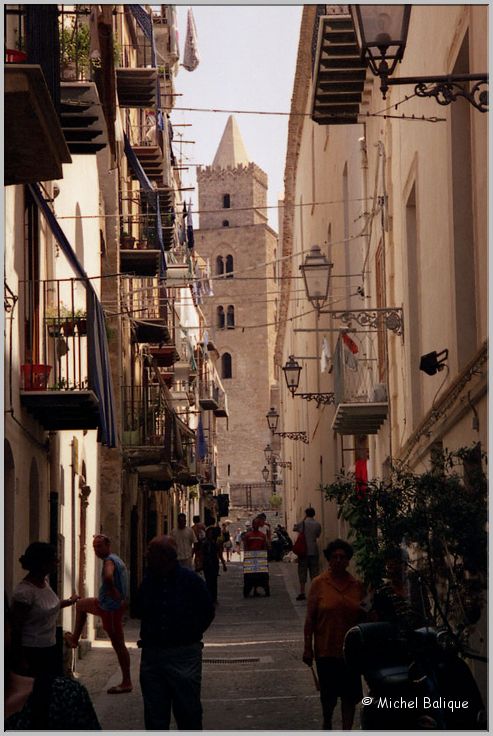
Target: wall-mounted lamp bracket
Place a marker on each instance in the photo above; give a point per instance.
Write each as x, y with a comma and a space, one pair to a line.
389, 317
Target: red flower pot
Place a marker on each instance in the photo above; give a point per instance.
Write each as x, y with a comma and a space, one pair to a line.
35, 376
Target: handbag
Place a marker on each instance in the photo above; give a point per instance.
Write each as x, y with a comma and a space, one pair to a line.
299, 547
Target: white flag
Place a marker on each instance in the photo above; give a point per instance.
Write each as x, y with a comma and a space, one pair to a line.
325, 357
191, 56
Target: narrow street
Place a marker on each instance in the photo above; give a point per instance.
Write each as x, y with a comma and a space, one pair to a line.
253, 677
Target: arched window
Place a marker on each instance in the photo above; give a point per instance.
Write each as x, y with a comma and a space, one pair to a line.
226, 366
219, 265
229, 267
230, 317
220, 317
226, 201
225, 223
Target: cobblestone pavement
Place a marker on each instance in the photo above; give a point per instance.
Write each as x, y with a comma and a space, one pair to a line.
253, 677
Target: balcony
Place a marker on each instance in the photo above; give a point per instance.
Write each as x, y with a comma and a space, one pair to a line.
208, 397
207, 473
360, 391
136, 72
82, 118
339, 73
35, 147
222, 403
156, 442
56, 386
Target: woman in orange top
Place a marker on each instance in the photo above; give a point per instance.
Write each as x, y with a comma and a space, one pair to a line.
333, 608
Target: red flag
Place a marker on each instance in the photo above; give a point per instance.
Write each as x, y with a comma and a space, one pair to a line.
349, 343
361, 474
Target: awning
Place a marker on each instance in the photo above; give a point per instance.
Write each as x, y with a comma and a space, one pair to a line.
97, 344
150, 332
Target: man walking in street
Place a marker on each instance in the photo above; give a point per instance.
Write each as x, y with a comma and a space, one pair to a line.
109, 606
175, 609
309, 562
186, 540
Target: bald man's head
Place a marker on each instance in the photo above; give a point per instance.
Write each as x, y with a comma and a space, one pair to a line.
161, 555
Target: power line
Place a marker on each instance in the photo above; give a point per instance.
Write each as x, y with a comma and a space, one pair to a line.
422, 118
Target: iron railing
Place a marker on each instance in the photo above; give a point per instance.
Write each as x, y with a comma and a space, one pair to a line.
358, 375
55, 334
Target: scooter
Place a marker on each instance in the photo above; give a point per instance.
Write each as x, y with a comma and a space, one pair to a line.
281, 544
416, 679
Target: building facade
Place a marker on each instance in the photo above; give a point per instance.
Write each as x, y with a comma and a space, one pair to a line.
241, 314
393, 192
109, 379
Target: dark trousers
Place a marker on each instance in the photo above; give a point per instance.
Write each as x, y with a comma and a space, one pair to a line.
171, 679
210, 576
336, 681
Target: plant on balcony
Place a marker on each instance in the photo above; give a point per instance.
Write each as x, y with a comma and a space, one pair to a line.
439, 516
127, 240
62, 318
75, 47
275, 501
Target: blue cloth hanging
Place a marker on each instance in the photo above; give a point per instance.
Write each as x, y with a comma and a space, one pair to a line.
97, 343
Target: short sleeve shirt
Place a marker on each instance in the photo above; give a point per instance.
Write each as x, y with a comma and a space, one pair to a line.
39, 629
120, 581
333, 607
185, 540
312, 530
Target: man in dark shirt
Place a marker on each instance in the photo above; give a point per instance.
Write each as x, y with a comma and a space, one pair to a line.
175, 609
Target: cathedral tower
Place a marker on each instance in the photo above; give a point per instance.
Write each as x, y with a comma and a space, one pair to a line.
241, 248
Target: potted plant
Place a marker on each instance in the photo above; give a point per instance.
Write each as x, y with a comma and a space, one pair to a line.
74, 46
35, 376
63, 319
127, 241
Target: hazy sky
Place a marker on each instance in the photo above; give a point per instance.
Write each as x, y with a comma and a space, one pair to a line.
247, 62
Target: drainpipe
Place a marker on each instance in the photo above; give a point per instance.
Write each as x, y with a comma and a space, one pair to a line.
364, 188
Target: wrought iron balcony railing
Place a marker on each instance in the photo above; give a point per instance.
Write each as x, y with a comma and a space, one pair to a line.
360, 386
55, 381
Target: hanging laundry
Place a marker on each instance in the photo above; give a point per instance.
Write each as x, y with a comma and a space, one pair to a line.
191, 56
201, 441
349, 348
207, 283
350, 343
325, 358
182, 231
190, 237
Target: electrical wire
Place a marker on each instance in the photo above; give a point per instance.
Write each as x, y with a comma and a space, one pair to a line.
413, 118
211, 212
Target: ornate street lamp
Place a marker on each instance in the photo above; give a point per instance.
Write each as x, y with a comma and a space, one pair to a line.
292, 371
265, 473
268, 453
316, 273
381, 32
272, 417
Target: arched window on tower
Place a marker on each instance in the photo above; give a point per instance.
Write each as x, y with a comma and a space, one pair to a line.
226, 366
219, 265
220, 318
229, 267
230, 317
226, 201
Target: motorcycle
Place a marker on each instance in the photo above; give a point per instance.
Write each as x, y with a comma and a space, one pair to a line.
416, 679
281, 544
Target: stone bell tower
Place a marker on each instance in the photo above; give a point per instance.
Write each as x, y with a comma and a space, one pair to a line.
241, 248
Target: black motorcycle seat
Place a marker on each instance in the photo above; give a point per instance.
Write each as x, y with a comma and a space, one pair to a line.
387, 676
